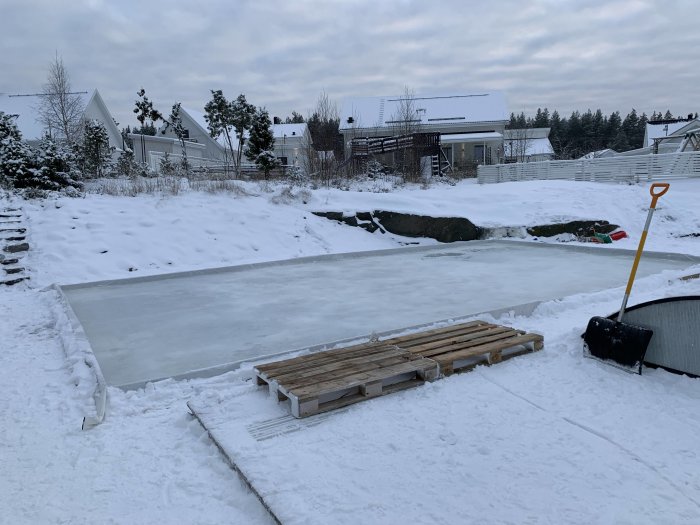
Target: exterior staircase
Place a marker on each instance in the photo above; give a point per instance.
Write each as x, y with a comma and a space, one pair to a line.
13, 246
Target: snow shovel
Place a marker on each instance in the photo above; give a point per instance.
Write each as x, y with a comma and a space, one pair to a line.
612, 340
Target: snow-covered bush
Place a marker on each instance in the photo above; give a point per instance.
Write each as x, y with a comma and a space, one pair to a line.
34, 172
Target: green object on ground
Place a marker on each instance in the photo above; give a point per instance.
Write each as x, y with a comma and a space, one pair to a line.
603, 237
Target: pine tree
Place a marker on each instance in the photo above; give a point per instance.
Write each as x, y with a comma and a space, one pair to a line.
53, 168
16, 162
174, 121
261, 143
218, 114
126, 164
144, 111
97, 154
242, 114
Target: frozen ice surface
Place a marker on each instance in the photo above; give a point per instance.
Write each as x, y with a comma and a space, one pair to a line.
164, 326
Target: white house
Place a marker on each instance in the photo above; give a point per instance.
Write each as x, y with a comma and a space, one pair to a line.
527, 145
471, 126
670, 136
291, 140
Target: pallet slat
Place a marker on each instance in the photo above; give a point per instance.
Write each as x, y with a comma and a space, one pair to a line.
330, 379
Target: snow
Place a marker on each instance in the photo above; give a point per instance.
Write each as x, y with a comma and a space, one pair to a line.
545, 438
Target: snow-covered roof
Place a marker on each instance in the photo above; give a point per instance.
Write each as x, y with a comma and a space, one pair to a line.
539, 147
600, 154
371, 112
657, 130
279, 131
527, 133
470, 137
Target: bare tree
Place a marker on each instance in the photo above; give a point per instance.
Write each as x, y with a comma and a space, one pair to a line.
517, 143
406, 120
60, 109
324, 149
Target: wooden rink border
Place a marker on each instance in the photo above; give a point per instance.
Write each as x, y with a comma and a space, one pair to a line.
335, 378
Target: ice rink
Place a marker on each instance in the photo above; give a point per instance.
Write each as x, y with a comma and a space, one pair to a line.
170, 325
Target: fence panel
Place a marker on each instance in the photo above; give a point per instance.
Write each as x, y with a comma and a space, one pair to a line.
639, 168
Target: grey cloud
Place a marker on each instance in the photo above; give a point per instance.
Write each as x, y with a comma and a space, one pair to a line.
612, 54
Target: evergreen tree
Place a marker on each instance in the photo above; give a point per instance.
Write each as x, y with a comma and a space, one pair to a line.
53, 169
668, 115
219, 117
16, 162
126, 164
261, 143
613, 128
620, 142
97, 154
296, 118
630, 125
557, 134
144, 112
242, 114
174, 121
541, 118
574, 136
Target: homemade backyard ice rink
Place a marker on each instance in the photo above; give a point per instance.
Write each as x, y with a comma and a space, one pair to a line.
207, 322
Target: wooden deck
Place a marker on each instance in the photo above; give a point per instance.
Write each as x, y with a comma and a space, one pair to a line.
334, 378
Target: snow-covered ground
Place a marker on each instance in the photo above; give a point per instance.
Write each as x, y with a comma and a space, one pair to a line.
149, 461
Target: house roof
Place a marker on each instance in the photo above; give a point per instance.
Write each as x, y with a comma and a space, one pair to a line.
469, 137
430, 110
657, 130
540, 146
280, 131
526, 133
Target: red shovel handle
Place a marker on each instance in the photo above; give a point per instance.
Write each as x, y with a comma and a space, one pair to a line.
662, 186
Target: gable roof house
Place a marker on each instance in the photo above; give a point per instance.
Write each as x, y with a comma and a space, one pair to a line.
470, 126
202, 150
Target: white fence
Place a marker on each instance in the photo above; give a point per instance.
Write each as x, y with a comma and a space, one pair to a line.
636, 168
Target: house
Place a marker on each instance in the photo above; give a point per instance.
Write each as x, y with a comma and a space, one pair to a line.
670, 136
26, 107
291, 140
470, 126
201, 148
527, 145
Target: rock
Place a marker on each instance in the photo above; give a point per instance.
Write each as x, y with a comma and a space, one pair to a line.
443, 229
578, 228
15, 248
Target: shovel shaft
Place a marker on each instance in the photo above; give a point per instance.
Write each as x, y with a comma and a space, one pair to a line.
661, 189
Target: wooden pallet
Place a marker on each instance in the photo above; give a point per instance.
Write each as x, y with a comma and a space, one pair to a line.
327, 380
335, 378
461, 347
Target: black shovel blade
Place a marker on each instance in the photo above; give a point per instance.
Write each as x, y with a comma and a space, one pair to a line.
622, 343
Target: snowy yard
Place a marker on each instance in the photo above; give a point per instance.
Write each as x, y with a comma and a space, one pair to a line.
546, 438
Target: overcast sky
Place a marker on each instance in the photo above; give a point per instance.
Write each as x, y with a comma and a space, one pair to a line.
565, 55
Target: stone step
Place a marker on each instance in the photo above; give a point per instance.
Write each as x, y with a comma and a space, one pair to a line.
14, 281
15, 248
15, 270
21, 238
15, 230
8, 261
